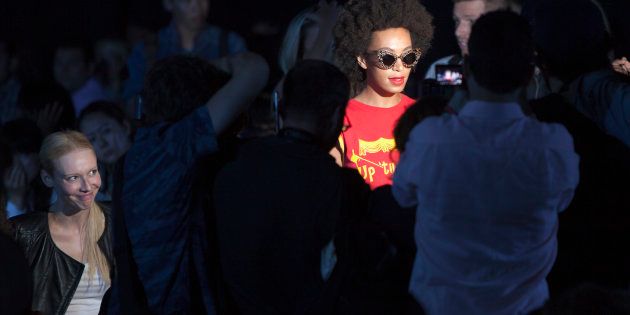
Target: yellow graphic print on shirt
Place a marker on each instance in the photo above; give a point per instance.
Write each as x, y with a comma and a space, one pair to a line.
380, 149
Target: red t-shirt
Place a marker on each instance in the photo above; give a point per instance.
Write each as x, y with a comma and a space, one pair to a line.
367, 143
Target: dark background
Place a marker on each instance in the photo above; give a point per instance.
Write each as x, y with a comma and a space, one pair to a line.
36, 26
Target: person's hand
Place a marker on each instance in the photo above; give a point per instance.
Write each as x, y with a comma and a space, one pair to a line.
622, 66
15, 177
48, 117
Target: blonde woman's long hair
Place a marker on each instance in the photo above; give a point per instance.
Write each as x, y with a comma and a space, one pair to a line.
54, 147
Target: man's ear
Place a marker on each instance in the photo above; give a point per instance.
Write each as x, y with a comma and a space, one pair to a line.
46, 178
362, 62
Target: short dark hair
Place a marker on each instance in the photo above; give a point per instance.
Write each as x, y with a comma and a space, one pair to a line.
571, 37
22, 136
35, 96
360, 18
176, 85
107, 108
501, 51
314, 89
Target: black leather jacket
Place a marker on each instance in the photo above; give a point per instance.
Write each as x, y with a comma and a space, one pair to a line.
55, 274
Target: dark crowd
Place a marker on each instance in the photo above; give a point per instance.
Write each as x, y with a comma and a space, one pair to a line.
330, 157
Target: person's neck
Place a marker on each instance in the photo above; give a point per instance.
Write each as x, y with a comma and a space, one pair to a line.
375, 98
73, 219
187, 35
480, 93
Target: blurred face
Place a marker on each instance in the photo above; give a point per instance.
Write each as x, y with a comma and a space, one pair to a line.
189, 13
465, 13
109, 138
75, 180
70, 69
385, 80
114, 55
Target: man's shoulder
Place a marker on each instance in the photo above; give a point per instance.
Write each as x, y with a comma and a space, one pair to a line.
550, 134
434, 128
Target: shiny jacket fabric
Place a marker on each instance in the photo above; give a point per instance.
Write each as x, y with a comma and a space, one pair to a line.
55, 274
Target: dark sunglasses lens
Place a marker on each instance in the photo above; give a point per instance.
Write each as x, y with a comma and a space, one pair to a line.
388, 60
410, 58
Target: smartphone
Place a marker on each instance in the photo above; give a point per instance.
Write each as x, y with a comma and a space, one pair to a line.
449, 74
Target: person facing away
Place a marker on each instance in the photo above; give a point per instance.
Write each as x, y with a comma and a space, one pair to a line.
186, 106
488, 185
188, 33
378, 42
69, 246
282, 204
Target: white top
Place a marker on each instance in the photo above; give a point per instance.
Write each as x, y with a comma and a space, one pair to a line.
89, 294
488, 185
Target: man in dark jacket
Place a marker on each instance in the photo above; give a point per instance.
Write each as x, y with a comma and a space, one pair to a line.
282, 205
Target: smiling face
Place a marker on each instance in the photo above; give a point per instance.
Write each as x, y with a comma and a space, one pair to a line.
465, 13
109, 138
386, 82
75, 179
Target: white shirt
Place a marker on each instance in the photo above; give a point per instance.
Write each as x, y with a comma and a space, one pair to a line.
88, 296
488, 185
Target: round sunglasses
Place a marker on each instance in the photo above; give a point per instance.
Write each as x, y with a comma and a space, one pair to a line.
387, 59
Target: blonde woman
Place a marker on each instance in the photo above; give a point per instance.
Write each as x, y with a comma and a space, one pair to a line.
68, 248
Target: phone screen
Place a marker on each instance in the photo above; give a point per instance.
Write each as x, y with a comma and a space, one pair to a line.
449, 74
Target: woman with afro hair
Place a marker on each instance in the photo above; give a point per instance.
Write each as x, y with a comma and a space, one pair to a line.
378, 44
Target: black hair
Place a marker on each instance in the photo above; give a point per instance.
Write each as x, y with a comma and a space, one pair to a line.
360, 18
176, 85
501, 51
427, 106
22, 135
34, 97
571, 37
107, 108
314, 90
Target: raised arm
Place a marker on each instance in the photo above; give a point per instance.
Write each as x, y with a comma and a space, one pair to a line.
249, 75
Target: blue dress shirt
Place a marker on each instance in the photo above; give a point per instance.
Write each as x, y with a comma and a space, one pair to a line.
488, 185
